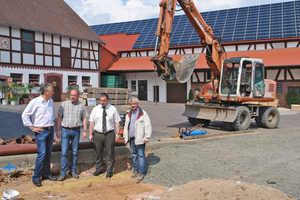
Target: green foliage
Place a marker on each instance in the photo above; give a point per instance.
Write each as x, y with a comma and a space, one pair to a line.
71, 87
4, 88
292, 97
14, 98
191, 96
25, 95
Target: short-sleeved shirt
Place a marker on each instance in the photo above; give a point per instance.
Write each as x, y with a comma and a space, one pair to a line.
72, 114
112, 116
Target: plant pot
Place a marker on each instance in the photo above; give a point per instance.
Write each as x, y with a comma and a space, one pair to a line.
4, 102
26, 100
13, 103
21, 102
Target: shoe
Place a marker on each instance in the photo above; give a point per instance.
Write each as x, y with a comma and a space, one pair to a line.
51, 178
140, 177
109, 175
97, 173
134, 174
37, 183
74, 175
61, 177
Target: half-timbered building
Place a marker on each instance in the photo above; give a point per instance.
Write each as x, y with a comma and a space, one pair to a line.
47, 42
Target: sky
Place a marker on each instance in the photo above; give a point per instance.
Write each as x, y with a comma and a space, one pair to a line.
95, 12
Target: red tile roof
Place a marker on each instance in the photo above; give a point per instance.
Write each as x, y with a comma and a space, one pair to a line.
48, 16
119, 42
272, 57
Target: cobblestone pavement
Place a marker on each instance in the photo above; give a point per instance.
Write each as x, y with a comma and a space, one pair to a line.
166, 118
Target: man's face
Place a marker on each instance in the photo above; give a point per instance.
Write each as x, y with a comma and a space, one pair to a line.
134, 105
49, 93
74, 96
104, 101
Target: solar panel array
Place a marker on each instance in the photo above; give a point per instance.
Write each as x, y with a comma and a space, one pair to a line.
271, 21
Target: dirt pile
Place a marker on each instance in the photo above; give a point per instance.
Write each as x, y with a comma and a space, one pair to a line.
215, 189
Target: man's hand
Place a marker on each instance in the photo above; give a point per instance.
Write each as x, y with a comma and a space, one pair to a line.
37, 129
146, 141
84, 135
117, 137
91, 138
58, 134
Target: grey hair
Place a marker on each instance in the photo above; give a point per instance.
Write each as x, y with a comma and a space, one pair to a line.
45, 87
134, 99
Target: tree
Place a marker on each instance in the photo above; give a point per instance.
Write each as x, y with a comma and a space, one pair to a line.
292, 97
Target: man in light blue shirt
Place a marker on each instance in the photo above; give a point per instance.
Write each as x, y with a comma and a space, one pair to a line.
39, 117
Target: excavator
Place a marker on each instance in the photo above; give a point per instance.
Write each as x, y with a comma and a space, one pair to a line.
238, 91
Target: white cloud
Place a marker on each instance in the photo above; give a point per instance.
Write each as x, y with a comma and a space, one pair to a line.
103, 11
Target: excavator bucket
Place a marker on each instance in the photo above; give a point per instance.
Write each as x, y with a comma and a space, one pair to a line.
218, 113
185, 67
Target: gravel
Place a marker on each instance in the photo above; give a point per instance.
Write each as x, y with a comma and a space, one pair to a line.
270, 158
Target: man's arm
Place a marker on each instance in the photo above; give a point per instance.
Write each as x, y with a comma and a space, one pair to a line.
91, 129
84, 120
58, 123
118, 131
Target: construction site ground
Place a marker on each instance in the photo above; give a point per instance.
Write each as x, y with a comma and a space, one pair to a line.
175, 163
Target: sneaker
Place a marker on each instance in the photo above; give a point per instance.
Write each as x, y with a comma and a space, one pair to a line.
74, 175
109, 175
37, 183
134, 174
97, 173
62, 177
140, 177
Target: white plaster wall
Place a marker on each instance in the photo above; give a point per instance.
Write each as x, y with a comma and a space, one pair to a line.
5, 56
57, 61
188, 51
16, 58
85, 44
38, 36
65, 42
296, 73
291, 44
28, 58
260, 46
77, 63
48, 38
85, 64
243, 47
95, 45
74, 42
39, 47
229, 48
93, 64
93, 76
16, 45
4, 30
56, 39
56, 50
48, 60
39, 60
150, 77
15, 32
92, 54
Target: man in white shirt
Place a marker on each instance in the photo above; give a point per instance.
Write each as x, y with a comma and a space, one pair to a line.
103, 119
39, 117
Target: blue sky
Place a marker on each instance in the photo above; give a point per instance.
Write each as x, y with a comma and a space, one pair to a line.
109, 11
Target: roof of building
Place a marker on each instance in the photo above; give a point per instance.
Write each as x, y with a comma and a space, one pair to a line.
284, 57
54, 17
270, 21
119, 42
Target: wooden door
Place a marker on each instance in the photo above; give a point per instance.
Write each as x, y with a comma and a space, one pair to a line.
142, 90
156, 93
56, 82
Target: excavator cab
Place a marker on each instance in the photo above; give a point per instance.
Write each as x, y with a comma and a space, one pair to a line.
237, 78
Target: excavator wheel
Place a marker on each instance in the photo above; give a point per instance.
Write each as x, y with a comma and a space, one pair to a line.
269, 117
243, 119
196, 121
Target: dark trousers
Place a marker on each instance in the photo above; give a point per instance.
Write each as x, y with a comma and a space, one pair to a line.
44, 142
106, 140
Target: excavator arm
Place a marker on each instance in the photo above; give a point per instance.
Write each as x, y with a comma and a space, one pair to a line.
171, 70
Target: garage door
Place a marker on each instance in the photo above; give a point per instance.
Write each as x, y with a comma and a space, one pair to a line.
176, 93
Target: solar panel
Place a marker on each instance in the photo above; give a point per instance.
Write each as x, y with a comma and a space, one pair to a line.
270, 21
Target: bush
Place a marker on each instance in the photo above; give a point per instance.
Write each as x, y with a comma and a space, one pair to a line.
191, 96
292, 97
25, 95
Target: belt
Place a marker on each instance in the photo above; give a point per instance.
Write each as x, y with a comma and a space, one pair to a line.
47, 128
105, 132
72, 128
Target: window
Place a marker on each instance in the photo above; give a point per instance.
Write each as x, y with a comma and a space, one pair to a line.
279, 89
208, 75
72, 80
86, 80
126, 84
17, 78
34, 79
27, 41
133, 85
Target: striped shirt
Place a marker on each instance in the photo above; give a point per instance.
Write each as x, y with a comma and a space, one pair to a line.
72, 114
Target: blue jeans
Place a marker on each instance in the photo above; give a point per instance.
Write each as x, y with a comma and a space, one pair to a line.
138, 154
68, 135
44, 142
